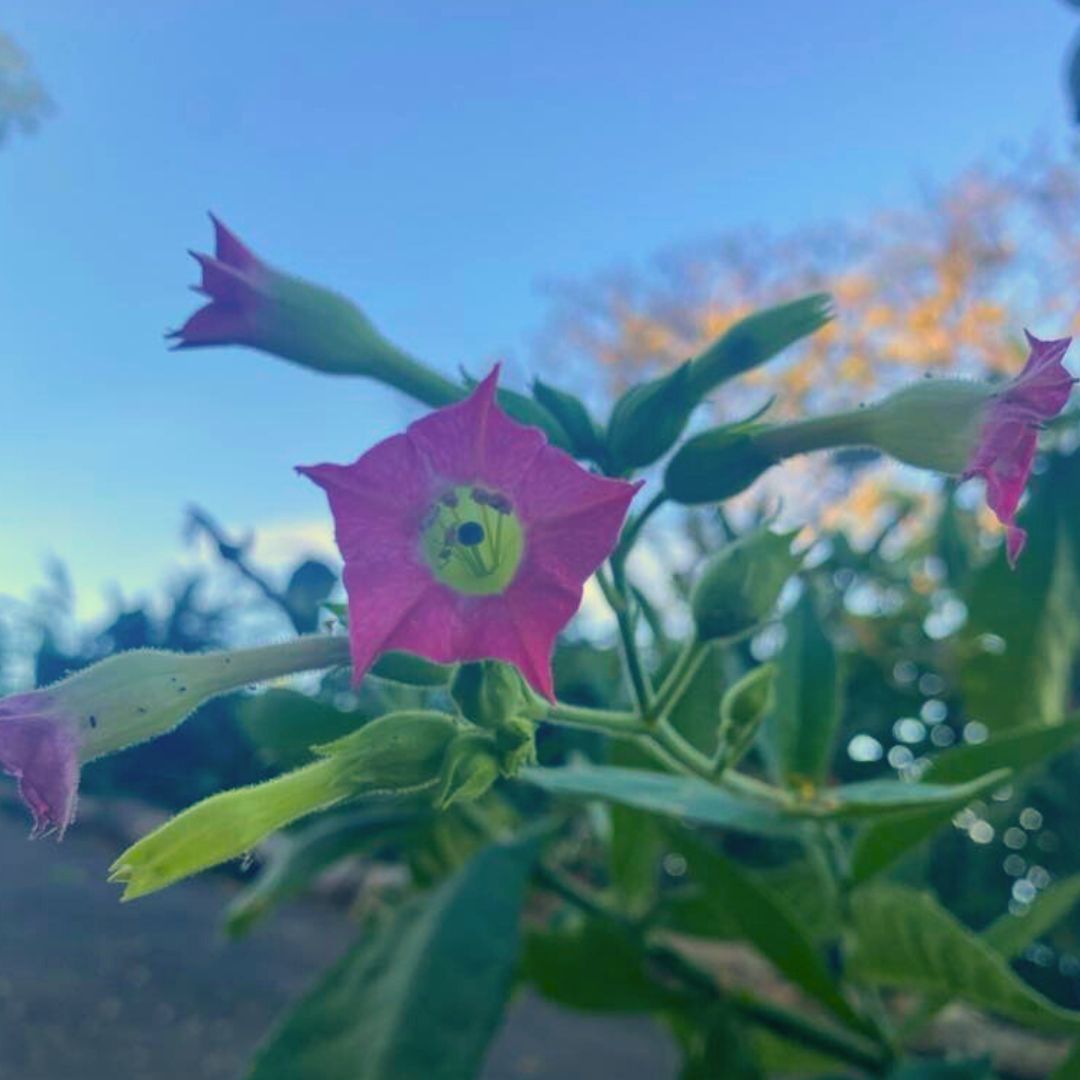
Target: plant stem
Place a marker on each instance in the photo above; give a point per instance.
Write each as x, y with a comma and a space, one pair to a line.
624, 724
630, 533
682, 673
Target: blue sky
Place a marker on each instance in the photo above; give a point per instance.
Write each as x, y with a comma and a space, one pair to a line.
436, 162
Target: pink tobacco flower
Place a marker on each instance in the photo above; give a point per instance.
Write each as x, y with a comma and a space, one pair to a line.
240, 288
38, 747
469, 537
1010, 432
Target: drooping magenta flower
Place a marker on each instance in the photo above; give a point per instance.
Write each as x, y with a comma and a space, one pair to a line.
960, 427
1010, 432
240, 289
251, 303
38, 747
469, 537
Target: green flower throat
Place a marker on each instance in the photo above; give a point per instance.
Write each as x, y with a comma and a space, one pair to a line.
472, 540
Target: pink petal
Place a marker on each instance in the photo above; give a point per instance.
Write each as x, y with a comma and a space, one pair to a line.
41, 753
380, 499
231, 250
475, 442
1010, 433
224, 283
214, 324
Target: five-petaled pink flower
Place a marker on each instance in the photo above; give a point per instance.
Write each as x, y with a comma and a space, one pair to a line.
468, 537
1010, 431
38, 747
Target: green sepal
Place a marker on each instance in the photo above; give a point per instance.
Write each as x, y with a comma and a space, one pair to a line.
468, 769
586, 438
718, 464
412, 670
649, 418
489, 693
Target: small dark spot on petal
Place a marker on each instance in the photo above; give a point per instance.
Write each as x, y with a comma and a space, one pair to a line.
93, 721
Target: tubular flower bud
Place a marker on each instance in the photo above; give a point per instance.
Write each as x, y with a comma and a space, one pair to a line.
468, 538
46, 735
979, 429
251, 303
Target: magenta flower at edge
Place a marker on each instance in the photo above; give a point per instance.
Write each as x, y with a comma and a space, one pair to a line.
1010, 431
468, 537
38, 747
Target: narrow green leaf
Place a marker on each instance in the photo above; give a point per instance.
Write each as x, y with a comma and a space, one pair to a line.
880, 845
1032, 609
1011, 934
676, 796
798, 736
420, 995
595, 966
973, 1069
764, 921
691, 799
904, 938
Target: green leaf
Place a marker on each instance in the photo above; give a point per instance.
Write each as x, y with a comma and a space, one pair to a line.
764, 921
691, 799
1069, 1069
304, 854
284, 725
880, 845
1017, 750
420, 995
904, 938
1011, 934
714, 1043
1032, 609
875, 798
717, 464
596, 967
973, 1069
635, 852
677, 796
797, 738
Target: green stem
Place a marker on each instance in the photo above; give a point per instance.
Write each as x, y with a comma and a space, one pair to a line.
814, 433
398, 369
635, 525
682, 673
624, 724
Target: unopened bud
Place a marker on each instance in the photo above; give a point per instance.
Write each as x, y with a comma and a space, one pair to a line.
740, 585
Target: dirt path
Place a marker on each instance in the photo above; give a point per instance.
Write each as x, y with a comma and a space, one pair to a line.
94, 990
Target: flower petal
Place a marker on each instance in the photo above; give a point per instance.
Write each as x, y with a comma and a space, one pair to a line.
213, 324
231, 250
475, 442
41, 753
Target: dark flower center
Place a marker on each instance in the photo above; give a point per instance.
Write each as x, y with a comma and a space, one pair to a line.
472, 540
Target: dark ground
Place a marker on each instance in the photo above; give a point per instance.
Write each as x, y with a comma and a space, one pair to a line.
94, 990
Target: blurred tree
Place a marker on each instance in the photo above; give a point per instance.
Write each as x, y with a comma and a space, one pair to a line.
24, 102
